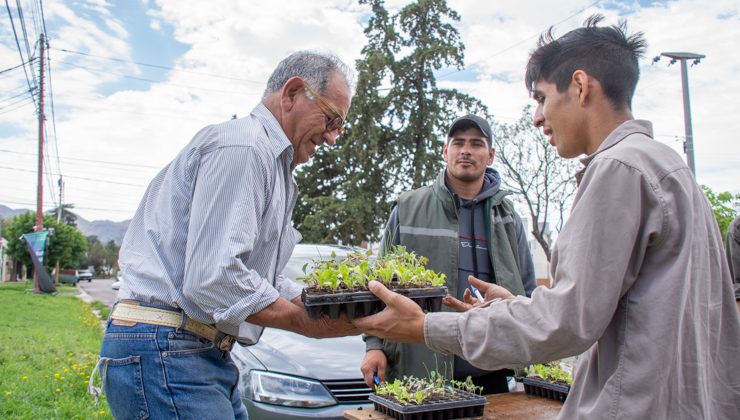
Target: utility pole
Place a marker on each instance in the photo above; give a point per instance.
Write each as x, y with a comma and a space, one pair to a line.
688, 145
59, 219
61, 199
40, 188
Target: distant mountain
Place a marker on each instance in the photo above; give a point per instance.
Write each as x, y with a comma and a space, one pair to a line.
8, 213
105, 230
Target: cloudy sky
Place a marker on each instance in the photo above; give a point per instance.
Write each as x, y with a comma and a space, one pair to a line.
133, 80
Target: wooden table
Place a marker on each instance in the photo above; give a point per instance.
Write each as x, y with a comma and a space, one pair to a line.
516, 405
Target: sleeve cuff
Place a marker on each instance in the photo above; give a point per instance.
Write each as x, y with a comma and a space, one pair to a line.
372, 343
289, 289
233, 316
441, 332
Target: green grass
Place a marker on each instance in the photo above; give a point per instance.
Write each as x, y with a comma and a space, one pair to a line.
102, 308
48, 347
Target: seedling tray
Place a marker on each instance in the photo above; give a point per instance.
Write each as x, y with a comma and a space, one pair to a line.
540, 388
453, 405
363, 303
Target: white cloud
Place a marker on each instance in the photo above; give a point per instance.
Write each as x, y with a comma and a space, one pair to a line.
148, 123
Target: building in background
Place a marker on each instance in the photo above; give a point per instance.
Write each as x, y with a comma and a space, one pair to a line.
5, 263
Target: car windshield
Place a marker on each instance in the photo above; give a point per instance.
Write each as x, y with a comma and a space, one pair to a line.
295, 266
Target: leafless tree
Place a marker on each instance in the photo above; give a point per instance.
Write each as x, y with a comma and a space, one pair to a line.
532, 169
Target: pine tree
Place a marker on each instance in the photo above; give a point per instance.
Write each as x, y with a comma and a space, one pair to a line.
395, 135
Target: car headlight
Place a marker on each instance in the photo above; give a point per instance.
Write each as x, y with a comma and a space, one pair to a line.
290, 391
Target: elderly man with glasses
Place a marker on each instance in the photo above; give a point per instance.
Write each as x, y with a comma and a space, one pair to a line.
202, 256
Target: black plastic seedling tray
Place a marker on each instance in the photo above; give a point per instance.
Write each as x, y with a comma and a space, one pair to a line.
540, 388
364, 303
453, 406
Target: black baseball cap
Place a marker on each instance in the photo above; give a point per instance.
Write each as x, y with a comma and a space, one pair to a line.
472, 121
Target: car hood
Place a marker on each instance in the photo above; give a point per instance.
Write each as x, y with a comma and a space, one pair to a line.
324, 359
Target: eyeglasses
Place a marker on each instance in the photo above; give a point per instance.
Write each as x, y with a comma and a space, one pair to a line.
336, 122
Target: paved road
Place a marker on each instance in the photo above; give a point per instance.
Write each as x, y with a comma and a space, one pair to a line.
99, 289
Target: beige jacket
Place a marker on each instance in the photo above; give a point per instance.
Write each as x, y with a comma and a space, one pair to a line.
641, 286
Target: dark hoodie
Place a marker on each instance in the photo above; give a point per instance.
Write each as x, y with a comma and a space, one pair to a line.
473, 258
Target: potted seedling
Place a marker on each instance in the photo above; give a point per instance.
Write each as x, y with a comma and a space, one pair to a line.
340, 286
432, 398
548, 380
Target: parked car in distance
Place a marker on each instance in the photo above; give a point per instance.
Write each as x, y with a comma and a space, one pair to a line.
84, 274
72, 275
117, 284
289, 376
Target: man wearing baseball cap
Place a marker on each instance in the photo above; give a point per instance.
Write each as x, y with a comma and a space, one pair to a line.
466, 227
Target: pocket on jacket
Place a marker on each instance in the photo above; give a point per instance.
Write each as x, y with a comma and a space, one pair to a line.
124, 388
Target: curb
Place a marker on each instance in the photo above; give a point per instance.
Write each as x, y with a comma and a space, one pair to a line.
89, 300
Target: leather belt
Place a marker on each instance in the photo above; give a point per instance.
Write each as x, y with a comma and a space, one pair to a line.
135, 313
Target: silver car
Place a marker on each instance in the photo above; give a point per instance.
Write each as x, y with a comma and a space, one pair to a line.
289, 376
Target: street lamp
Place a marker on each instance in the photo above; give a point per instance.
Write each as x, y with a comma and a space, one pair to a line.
688, 145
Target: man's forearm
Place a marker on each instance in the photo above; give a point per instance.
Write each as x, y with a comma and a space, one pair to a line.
292, 316
281, 314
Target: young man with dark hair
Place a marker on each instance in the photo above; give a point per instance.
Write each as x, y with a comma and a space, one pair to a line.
641, 285
464, 224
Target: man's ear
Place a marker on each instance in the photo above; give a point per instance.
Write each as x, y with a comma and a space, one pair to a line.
491, 154
582, 82
444, 152
294, 87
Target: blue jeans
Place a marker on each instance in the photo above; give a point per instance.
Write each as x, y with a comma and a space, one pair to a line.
158, 372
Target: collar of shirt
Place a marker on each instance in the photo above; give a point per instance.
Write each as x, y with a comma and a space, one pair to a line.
274, 131
620, 133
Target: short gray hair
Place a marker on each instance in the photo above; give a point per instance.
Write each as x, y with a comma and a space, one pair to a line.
313, 67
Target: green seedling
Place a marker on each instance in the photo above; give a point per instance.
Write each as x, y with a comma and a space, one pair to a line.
345, 273
550, 372
329, 278
398, 268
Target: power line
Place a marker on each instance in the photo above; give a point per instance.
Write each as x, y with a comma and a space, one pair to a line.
23, 203
29, 101
99, 71
49, 177
157, 66
9, 98
18, 44
87, 160
180, 116
51, 97
25, 33
18, 66
43, 20
77, 177
520, 42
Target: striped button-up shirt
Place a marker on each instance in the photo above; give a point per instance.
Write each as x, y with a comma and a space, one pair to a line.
213, 231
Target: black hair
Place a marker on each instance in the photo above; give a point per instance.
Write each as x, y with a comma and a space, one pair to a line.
606, 53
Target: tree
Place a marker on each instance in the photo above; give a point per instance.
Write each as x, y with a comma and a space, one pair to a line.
531, 168
725, 207
102, 257
66, 244
68, 217
96, 255
395, 136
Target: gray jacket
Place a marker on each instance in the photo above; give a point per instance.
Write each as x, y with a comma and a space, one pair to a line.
733, 253
641, 286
